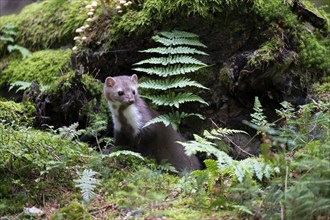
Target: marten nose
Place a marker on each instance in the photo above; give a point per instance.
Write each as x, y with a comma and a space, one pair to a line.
130, 101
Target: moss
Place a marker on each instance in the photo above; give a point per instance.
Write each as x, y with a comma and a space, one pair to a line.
149, 15
20, 113
275, 11
321, 90
73, 211
267, 53
92, 85
314, 51
43, 24
224, 78
44, 66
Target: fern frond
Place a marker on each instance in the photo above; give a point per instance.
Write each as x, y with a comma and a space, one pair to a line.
178, 41
170, 84
174, 50
258, 117
21, 85
169, 70
125, 153
175, 99
217, 134
172, 118
87, 184
178, 34
183, 59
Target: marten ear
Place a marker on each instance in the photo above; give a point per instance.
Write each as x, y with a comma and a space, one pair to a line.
110, 82
134, 78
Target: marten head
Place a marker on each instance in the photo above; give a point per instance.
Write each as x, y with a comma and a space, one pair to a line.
121, 89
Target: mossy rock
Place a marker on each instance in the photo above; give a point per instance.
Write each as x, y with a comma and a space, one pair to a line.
11, 111
47, 23
73, 211
43, 66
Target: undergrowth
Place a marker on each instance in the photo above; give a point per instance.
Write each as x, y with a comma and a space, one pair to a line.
290, 179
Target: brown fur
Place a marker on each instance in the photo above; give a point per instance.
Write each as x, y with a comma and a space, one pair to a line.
156, 140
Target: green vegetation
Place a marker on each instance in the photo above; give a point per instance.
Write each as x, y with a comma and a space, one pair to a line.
36, 163
175, 59
314, 51
16, 112
7, 41
290, 176
43, 24
54, 170
43, 66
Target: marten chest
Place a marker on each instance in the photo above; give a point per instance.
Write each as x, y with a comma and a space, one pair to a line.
127, 119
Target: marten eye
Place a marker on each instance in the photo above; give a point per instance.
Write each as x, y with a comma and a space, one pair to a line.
133, 92
120, 93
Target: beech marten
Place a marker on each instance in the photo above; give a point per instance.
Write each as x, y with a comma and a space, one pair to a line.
130, 113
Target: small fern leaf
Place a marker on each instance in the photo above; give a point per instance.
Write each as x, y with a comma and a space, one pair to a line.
165, 119
20, 85
174, 50
125, 153
258, 117
178, 41
183, 59
170, 84
217, 134
173, 119
178, 34
192, 147
175, 99
169, 70
24, 52
87, 184
239, 172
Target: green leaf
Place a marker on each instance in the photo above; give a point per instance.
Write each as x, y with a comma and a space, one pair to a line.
258, 116
178, 41
175, 99
174, 50
182, 59
172, 118
21, 86
125, 153
24, 52
178, 34
5, 38
87, 184
169, 70
170, 84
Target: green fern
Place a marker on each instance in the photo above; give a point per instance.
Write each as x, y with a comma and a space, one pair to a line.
87, 184
177, 41
182, 59
125, 153
20, 86
178, 46
178, 34
258, 117
23, 86
173, 70
174, 99
248, 168
170, 84
172, 118
174, 50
